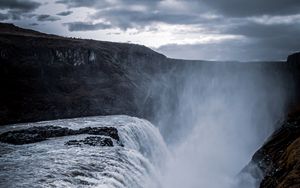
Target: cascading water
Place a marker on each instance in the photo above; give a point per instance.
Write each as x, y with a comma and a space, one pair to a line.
223, 116
52, 164
220, 117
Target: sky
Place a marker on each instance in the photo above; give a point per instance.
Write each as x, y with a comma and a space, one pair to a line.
243, 30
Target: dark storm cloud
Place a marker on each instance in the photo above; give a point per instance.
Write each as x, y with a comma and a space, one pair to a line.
24, 5
17, 9
104, 3
46, 17
15, 15
82, 3
83, 26
258, 30
4, 17
259, 42
127, 19
243, 8
65, 13
244, 19
122, 15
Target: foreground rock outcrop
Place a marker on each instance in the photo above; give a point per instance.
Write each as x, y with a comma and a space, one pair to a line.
277, 163
38, 134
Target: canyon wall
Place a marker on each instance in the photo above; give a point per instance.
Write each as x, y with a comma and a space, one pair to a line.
47, 77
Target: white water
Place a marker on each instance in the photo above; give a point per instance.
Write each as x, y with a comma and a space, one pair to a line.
52, 164
223, 116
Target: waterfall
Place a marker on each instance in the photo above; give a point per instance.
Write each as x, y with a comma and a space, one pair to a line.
51, 163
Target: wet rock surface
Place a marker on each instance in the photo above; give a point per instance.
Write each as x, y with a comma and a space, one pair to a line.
37, 134
105, 131
92, 141
278, 160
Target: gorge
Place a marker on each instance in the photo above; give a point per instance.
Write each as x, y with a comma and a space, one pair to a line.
180, 123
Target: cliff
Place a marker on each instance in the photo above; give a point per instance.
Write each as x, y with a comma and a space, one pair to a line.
49, 77
46, 77
277, 162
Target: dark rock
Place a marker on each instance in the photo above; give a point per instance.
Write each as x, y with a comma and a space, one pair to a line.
34, 134
20, 138
37, 134
46, 77
294, 58
105, 131
92, 141
278, 160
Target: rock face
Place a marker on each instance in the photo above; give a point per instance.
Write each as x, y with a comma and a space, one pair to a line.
50, 77
45, 77
37, 134
278, 160
294, 58
277, 163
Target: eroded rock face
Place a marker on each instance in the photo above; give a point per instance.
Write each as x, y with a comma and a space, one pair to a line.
278, 161
37, 134
46, 77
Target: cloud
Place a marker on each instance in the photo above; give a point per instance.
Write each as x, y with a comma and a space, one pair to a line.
258, 29
246, 8
34, 24
21, 5
15, 15
17, 9
84, 26
125, 19
83, 3
46, 17
65, 13
136, 13
106, 3
259, 42
4, 17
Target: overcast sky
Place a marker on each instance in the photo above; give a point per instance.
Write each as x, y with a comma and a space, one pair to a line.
187, 29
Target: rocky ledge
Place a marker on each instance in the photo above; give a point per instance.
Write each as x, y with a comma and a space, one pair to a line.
92, 141
277, 163
38, 134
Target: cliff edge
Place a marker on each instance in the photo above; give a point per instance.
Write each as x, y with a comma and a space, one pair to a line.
47, 77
